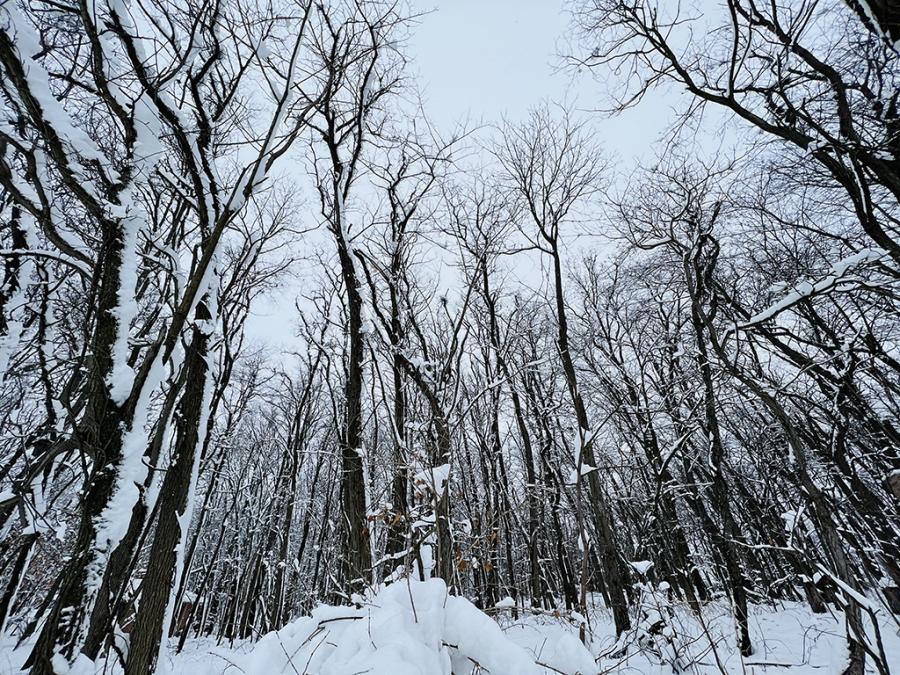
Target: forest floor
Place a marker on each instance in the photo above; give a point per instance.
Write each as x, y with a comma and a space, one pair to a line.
417, 629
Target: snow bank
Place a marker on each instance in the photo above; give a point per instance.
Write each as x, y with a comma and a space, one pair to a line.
408, 628
417, 628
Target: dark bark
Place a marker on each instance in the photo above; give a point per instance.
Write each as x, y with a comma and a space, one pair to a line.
100, 436
157, 584
614, 576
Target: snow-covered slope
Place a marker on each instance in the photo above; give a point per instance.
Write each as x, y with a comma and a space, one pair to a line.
409, 628
417, 628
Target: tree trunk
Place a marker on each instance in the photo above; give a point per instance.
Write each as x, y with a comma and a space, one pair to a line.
357, 556
174, 511
101, 432
614, 575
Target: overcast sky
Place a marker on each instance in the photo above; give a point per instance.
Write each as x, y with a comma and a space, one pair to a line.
486, 58
478, 61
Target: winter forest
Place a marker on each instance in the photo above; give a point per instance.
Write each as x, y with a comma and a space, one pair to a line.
541, 409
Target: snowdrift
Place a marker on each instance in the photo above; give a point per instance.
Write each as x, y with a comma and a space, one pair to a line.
408, 628
417, 628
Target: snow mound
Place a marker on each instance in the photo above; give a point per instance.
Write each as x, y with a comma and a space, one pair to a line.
408, 628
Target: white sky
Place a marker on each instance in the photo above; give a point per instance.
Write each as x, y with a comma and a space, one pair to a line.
477, 61
480, 60
487, 58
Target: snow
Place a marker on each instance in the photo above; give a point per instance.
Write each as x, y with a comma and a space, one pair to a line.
872, 21
28, 45
806, 289
408, 628
121, 376
435, 478
112, 523
574, 474
641, 566
862, 600
416, 628
554, 644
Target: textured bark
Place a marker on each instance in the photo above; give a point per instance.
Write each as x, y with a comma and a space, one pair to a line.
356, 547
11, 266
157, 585
112, 587
100, 433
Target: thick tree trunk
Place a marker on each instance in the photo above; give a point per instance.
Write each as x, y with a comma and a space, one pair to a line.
357, 556
115, 576
100, 433
171, 529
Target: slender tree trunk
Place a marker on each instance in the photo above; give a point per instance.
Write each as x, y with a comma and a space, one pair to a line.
16, 575
398, 525
727, 537
533, 530
614, 575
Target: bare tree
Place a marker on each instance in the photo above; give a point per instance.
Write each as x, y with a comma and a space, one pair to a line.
552, 168
361, 68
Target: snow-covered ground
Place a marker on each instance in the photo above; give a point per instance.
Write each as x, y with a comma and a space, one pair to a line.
416, 628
